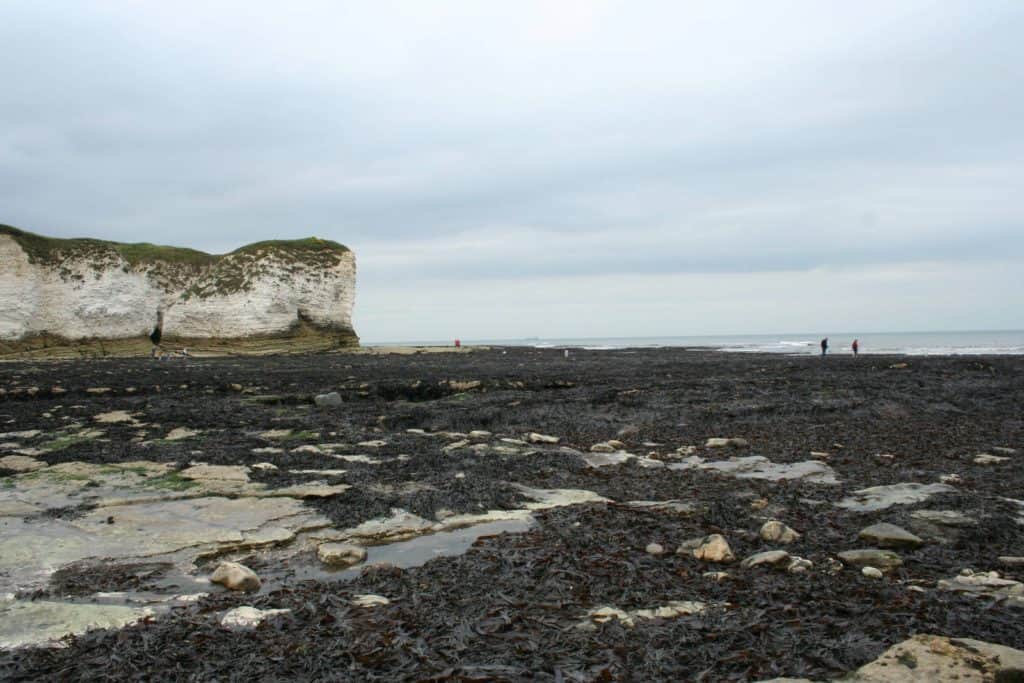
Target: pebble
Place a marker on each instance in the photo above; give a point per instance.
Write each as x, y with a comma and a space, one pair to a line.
534, 437
871, 572
655, 549
603, 447
370, 600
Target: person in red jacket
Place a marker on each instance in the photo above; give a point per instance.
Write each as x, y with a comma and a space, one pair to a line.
856, 347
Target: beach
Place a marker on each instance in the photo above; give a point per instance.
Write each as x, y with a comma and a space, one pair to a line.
528, 513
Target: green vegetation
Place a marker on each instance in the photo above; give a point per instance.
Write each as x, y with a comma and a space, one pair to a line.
118, 469
53, 251
303, 435
62, 442
309, 244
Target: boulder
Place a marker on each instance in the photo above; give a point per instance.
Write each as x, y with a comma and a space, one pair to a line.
775, 531
341, 554
938, 659
236, 577
885, 535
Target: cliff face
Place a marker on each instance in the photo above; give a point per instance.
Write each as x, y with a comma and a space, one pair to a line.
84, 289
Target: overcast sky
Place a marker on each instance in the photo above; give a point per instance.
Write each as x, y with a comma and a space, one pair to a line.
554, 168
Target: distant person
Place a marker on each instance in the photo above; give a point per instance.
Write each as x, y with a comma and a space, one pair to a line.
855, 347
458, 343
824, 347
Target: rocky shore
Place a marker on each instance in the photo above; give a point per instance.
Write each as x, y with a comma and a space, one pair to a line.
513, 514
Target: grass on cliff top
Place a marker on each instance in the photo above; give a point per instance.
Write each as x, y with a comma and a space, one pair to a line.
52, 250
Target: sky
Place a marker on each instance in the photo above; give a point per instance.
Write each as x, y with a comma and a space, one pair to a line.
547, 169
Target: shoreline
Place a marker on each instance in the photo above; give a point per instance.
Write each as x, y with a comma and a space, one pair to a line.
569, 469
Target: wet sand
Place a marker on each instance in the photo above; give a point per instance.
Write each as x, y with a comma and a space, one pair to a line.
519, 606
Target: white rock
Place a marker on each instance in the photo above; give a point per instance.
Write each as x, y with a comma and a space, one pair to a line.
114, 417
534, 437
370, 600
265, 466
988, 459
722, 442
247, 617
455, 446
655, 549
236, 577
871, 572
179, 433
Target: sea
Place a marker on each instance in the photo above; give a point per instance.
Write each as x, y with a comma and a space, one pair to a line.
973, 343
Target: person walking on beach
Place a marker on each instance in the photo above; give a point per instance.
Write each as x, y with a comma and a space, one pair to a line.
824, 347
856, 347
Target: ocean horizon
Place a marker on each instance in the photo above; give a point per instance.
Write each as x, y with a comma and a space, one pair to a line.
968, 343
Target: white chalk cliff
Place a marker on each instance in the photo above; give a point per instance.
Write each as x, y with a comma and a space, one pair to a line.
92, 289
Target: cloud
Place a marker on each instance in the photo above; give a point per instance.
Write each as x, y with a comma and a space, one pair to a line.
478, 143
